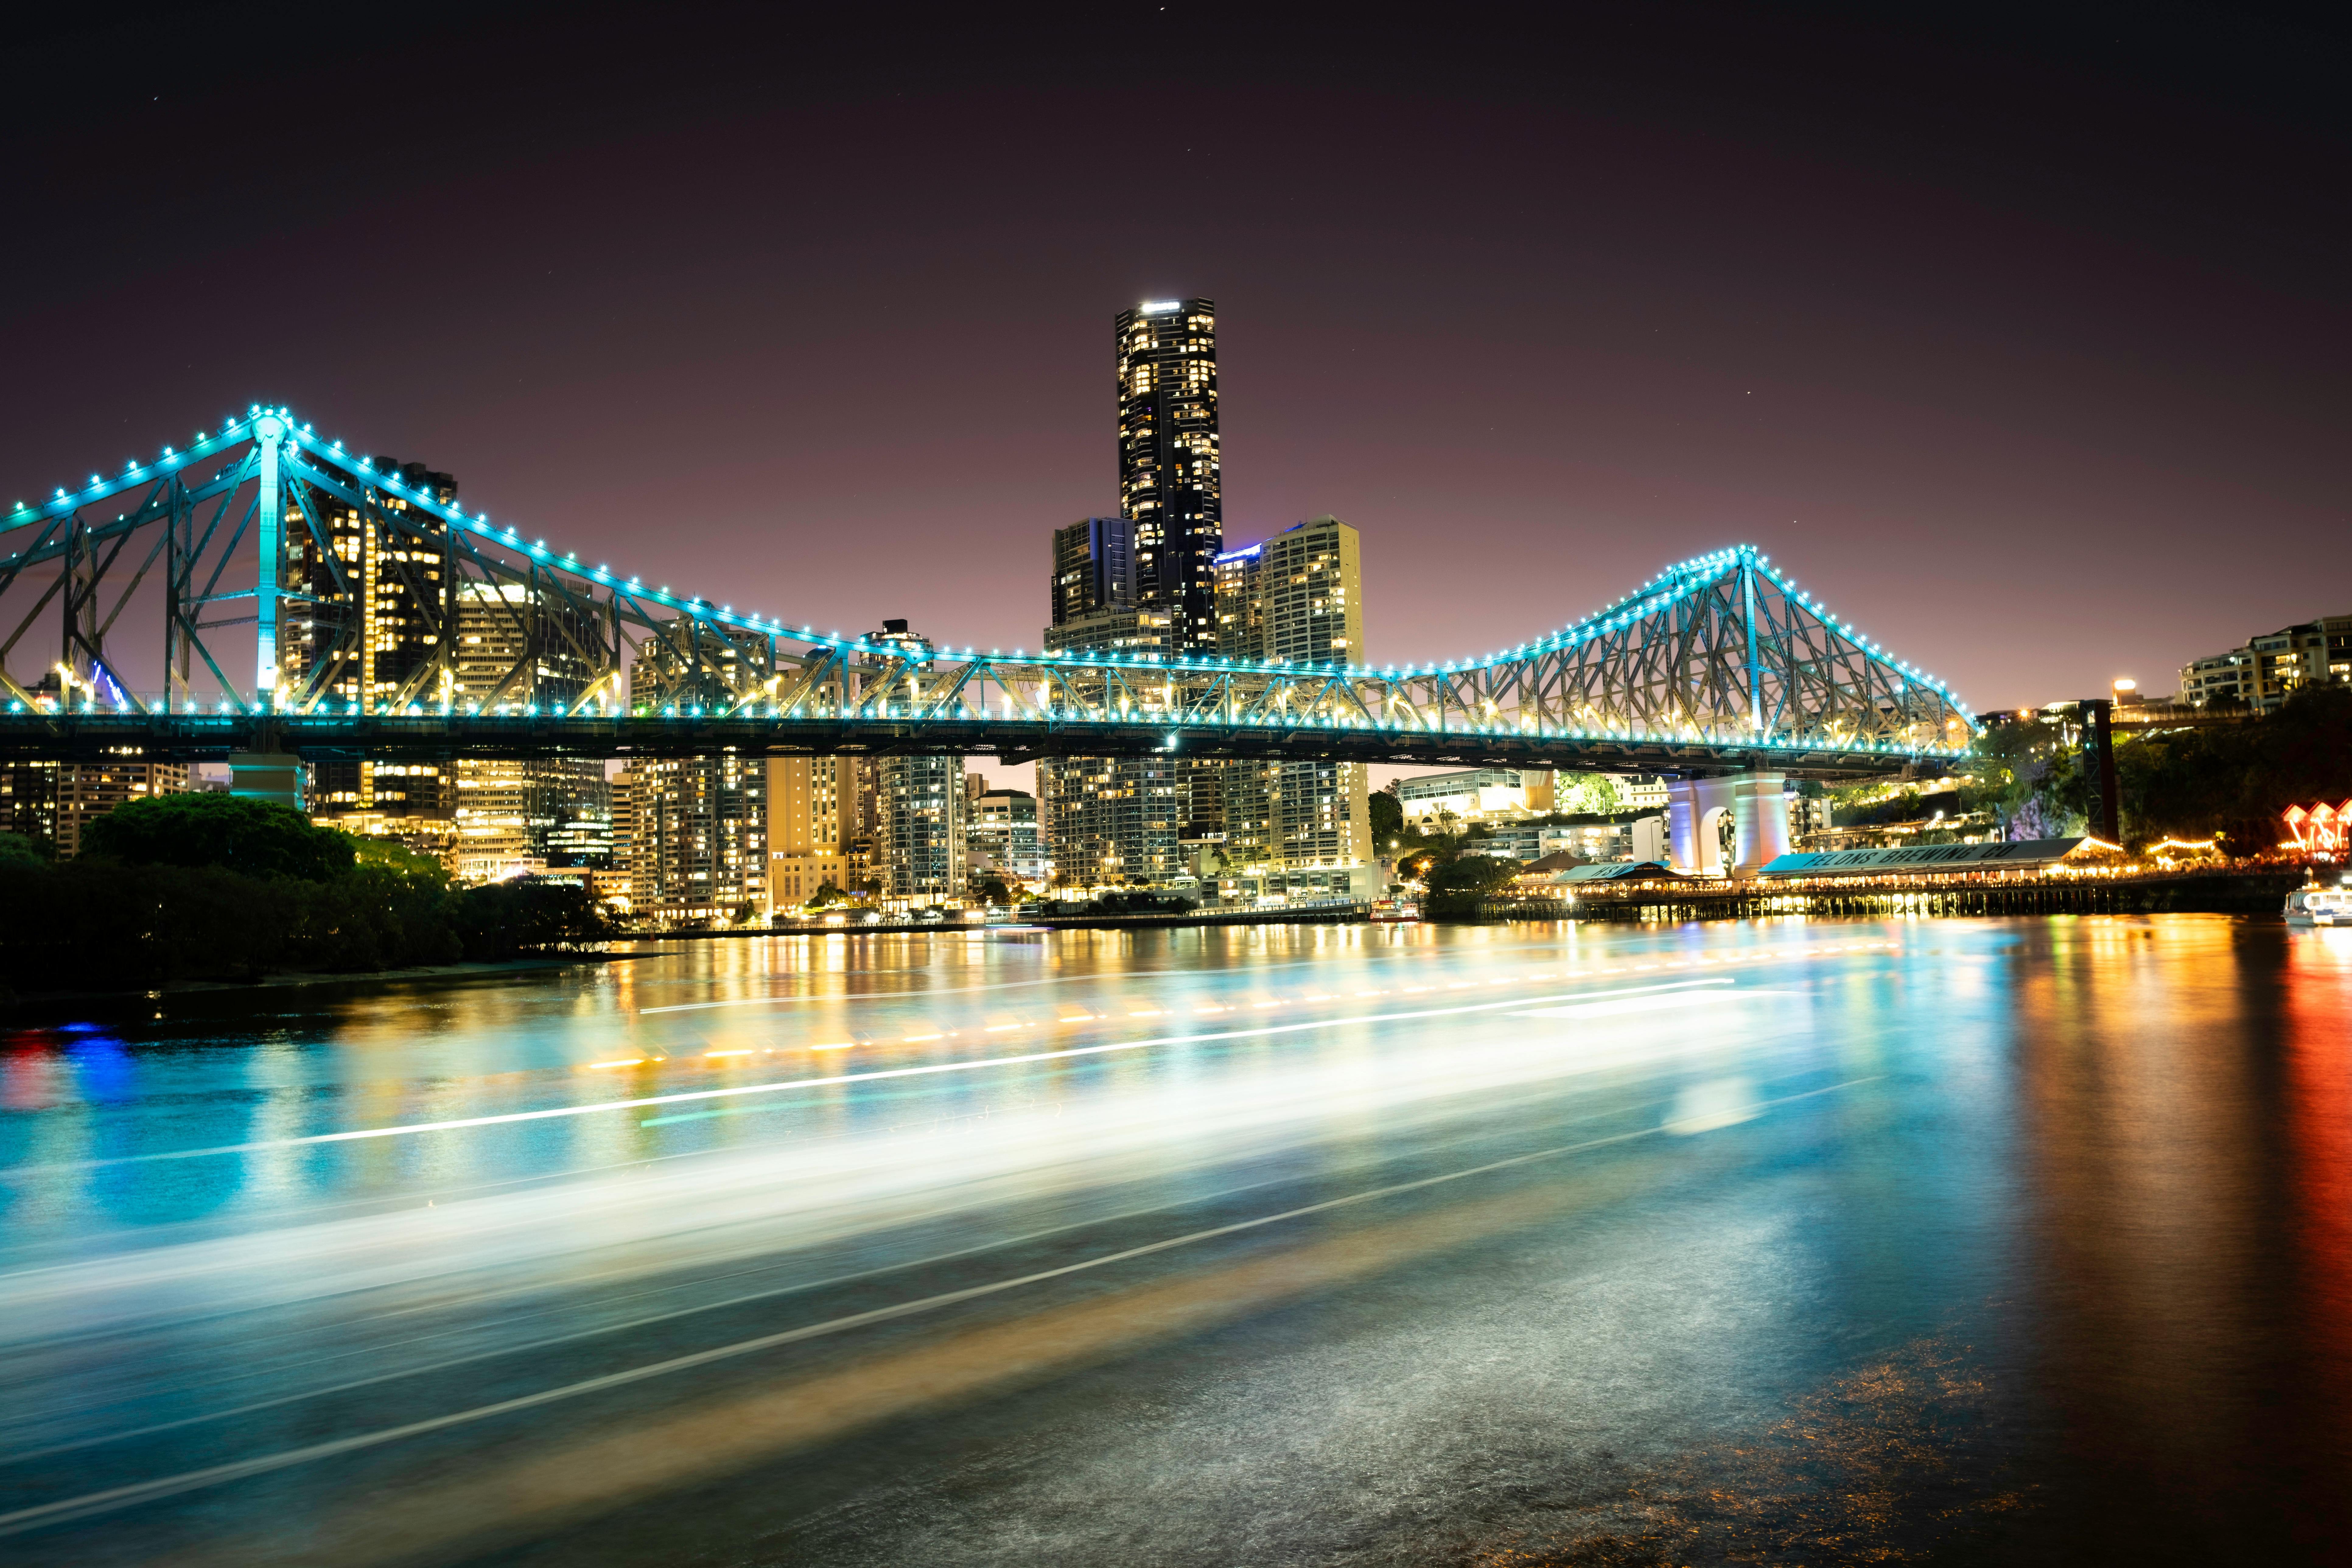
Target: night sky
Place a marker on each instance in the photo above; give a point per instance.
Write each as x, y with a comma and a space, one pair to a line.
2023, 344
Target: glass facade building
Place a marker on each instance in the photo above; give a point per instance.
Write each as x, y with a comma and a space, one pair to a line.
1167, 465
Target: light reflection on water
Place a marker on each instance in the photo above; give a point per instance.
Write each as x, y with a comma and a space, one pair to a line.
2062, 1205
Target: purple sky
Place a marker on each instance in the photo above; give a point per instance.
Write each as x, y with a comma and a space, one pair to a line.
2024, 348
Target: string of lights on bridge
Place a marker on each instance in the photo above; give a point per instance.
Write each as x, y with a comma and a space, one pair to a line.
1669, 586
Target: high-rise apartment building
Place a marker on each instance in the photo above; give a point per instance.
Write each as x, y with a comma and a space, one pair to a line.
1111, 819
57, 801
812, 821
363, 616
698, 839
513, 816
696, 828
370, 598
1168, 479
919, 806
1298, 598
1004, 828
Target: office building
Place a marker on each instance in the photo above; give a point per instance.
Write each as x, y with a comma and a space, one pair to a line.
1168, 465
57, 801
367, 601
1304, 828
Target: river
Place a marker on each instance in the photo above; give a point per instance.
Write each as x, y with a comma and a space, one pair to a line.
2021, 1240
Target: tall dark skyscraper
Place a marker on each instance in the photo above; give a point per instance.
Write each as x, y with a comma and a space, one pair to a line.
1168, 466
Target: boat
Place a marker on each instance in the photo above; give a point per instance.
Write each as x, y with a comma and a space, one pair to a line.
2313, 905
1395, 909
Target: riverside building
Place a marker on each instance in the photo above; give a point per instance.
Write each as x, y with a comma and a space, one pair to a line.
696, 827
1302, 829
57, 801
919, 807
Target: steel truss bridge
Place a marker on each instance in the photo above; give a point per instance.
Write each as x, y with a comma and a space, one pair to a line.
1715, 665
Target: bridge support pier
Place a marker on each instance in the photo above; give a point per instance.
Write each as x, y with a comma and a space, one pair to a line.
1759, 816
273, 776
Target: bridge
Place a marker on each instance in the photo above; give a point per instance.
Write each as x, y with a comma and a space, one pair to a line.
1718, 672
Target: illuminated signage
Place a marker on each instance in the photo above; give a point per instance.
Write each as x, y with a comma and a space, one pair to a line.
1161, 309
2323, 829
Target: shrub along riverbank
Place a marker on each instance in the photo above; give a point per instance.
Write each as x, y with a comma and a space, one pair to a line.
209, 887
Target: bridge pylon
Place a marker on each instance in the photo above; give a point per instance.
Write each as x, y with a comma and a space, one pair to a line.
1755, 804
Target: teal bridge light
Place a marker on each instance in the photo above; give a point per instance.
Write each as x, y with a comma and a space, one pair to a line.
1716, 663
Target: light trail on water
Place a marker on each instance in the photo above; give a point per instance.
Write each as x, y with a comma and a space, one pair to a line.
926, 1069
67, 1510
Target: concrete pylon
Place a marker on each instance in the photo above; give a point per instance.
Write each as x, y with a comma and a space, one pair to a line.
273, 776
1759, 816
1760, 810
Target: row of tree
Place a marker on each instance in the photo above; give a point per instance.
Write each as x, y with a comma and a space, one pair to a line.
210, 887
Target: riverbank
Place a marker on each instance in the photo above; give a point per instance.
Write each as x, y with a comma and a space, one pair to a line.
482, 970
1330, 914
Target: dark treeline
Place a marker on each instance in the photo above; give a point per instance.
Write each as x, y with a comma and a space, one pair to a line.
2236, 780
2227, 781
209, 887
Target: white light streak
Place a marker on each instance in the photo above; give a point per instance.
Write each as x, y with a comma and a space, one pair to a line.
876, 1074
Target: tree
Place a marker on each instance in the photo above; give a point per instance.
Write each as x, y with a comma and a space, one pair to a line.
1457, 884
1588, 795
500, 920
252, 837
1388, 815
16, 849
399, 858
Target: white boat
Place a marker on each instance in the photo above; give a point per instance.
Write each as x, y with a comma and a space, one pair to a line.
2318, 906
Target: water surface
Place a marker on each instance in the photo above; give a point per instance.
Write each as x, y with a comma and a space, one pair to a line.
1960, 1240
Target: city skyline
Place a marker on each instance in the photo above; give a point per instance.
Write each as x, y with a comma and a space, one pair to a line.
1886, 361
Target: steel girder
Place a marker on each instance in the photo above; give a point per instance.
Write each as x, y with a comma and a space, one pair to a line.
1717, 662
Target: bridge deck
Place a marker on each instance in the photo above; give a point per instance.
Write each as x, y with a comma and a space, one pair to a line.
202, 736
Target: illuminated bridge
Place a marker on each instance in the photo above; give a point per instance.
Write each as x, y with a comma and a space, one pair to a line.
196, 606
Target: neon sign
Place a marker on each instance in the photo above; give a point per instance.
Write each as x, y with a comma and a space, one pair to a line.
2322, 830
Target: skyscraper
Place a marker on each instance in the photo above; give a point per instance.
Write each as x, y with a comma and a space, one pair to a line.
1094, 567
515, 647
696, 827
1167, 465
368, 602
1298, 598
1106, 819
366, 608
